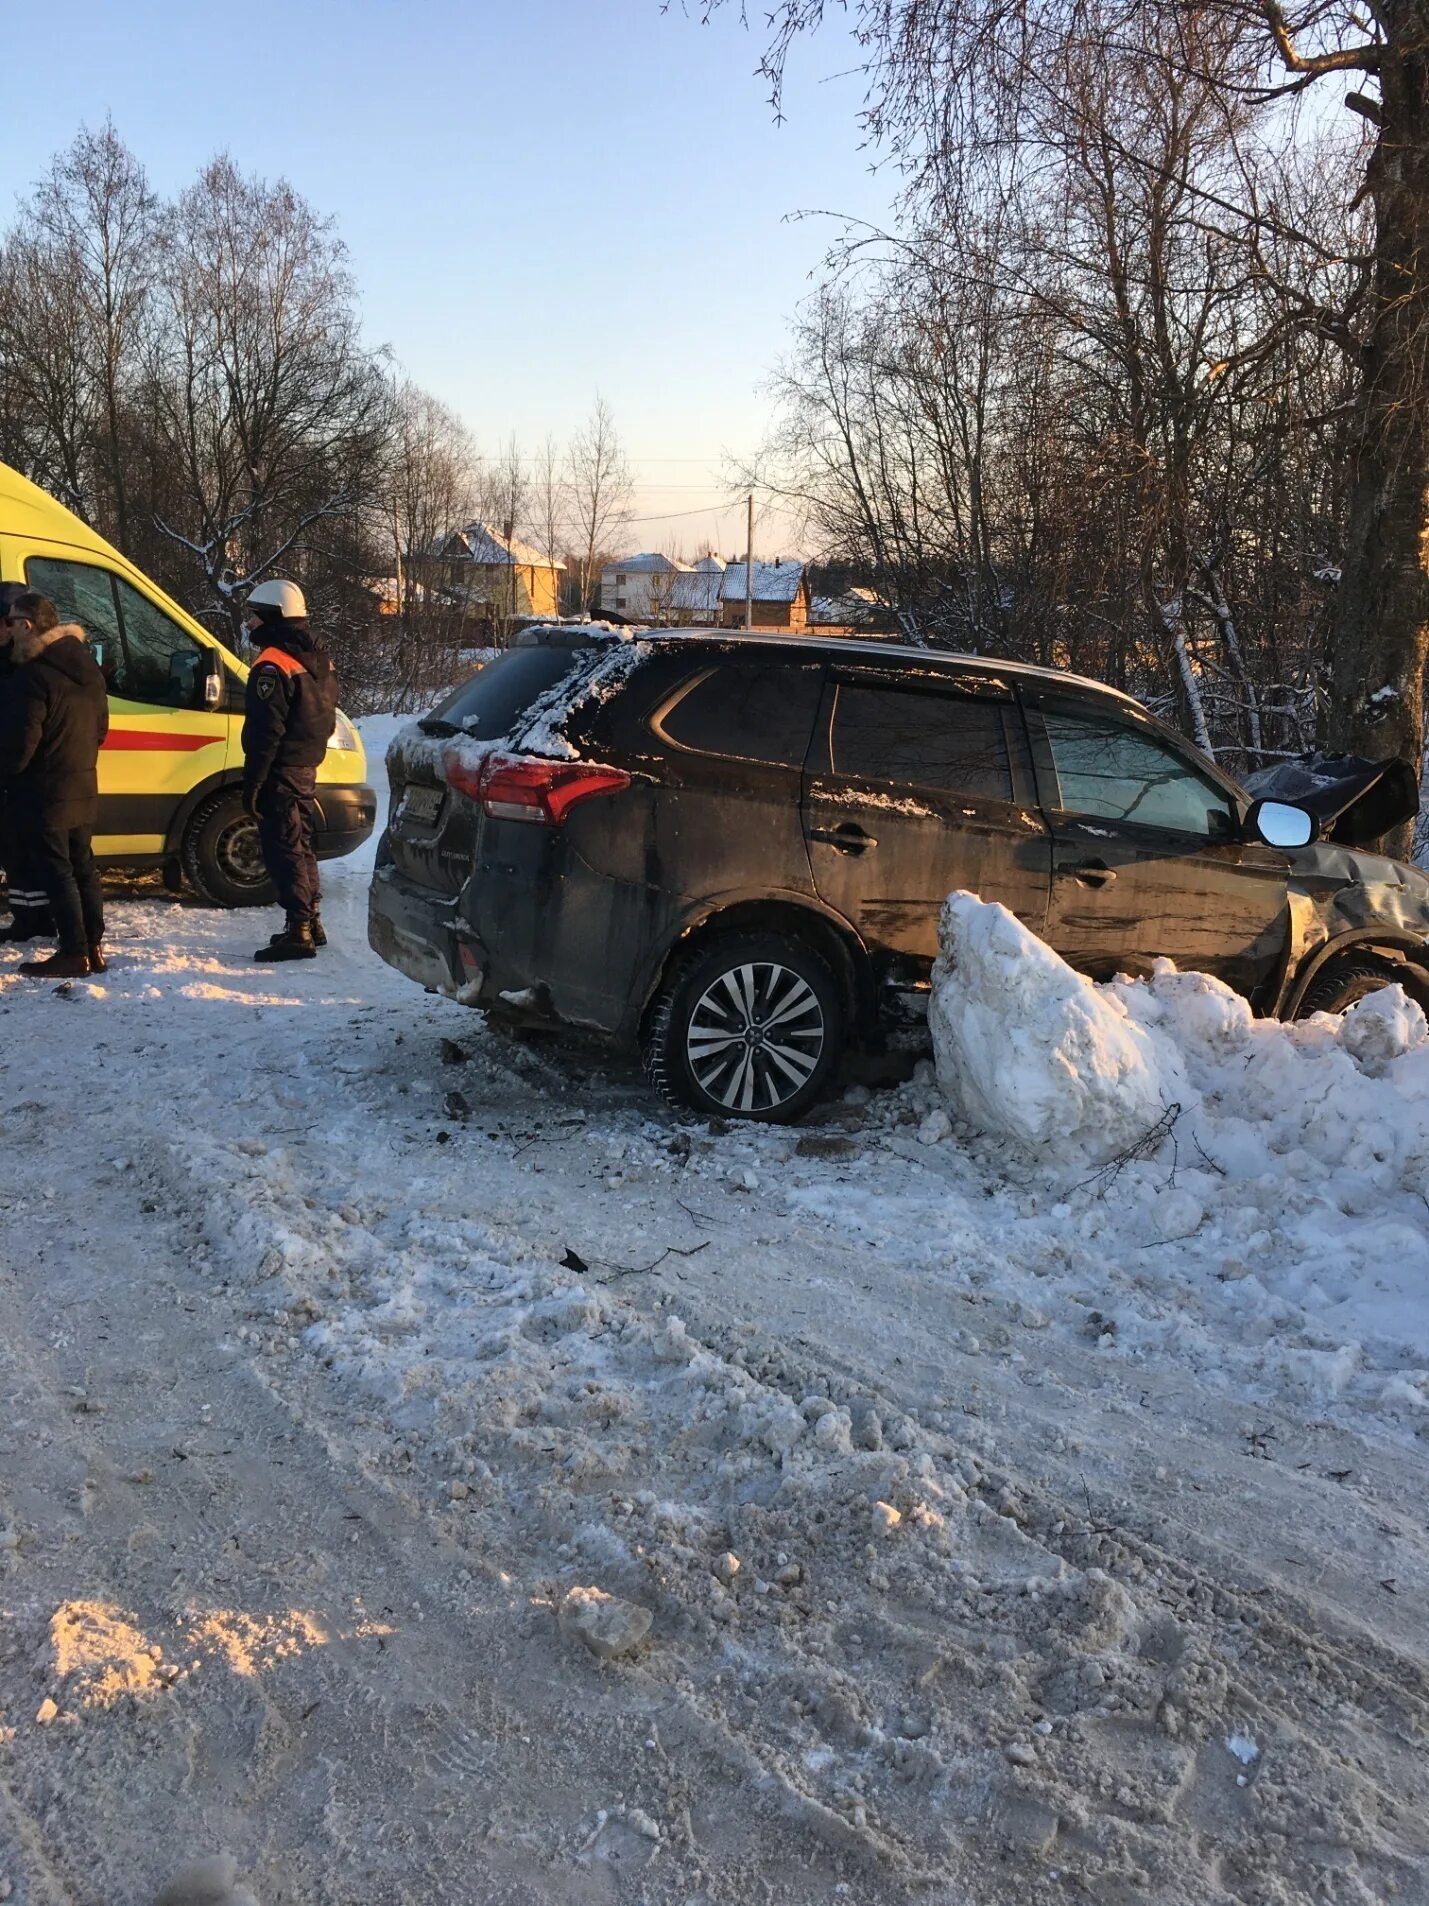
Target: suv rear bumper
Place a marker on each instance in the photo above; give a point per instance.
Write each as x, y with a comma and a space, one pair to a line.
346, 816
422, 935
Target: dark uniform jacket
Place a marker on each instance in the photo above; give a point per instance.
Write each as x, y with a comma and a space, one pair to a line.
291, 706
53, 720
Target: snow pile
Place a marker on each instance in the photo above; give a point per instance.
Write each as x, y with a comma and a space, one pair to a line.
1030, 1051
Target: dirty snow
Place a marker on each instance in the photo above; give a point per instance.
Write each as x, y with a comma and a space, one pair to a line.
985, 1486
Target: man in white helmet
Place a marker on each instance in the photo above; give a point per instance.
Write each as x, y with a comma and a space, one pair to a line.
289, 717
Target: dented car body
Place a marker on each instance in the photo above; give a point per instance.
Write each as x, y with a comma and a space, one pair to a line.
583, 830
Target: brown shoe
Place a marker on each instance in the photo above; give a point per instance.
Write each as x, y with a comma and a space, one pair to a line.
97, 961
57, 966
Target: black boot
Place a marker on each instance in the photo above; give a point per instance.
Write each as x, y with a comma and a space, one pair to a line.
295, 942
25, 926
316, 923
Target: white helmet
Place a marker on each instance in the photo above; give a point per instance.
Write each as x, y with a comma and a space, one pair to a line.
285, 597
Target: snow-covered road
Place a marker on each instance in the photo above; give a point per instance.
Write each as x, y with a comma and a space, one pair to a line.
1007, 1538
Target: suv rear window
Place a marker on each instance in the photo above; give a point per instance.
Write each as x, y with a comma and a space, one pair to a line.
748, 714
491, 703
950, 742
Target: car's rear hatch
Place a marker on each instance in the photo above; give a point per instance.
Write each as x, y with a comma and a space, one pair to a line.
517, 702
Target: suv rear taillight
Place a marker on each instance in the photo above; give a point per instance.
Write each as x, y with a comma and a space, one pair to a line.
524, 788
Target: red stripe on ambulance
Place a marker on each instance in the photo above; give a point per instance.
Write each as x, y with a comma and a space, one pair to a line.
156, 741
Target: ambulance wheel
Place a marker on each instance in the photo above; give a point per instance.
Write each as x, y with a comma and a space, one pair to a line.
222, 859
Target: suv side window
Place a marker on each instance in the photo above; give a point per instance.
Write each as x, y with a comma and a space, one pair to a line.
918, 738
745, 713
145, 656
1117, 773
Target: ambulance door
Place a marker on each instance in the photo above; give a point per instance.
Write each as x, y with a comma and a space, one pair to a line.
164, 736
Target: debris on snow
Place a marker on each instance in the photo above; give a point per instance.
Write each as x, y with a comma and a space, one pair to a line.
609, 1626
208, 1882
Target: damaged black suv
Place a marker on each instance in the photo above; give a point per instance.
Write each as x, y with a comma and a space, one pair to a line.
731, 850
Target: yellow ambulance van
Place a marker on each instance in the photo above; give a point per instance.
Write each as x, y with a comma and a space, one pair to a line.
171, 772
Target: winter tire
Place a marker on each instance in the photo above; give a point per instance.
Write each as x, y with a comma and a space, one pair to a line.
222, 858
1340, 987
750, 1027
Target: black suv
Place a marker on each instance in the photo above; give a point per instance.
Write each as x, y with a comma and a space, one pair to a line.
732, 849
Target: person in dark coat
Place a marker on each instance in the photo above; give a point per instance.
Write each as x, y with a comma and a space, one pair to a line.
30, 917
53, 725
289, 716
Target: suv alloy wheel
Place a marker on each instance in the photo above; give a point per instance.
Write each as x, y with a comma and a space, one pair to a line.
751, 1026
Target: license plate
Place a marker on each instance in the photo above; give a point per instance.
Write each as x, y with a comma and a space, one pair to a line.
421, 804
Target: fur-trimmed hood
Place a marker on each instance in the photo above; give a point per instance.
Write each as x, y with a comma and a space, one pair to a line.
33, 644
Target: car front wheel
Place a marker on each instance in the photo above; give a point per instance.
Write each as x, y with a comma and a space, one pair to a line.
1340, 987
750, 1027
223, 861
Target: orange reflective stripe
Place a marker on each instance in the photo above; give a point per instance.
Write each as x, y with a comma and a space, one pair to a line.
280, 658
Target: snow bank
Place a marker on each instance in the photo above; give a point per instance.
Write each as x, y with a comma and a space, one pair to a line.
1290, 1181
1030, 1051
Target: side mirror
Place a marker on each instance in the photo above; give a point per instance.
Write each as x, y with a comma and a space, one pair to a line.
213, 685
1280, 824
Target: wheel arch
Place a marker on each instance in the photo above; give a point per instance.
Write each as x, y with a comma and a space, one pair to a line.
799, 915
1389, 948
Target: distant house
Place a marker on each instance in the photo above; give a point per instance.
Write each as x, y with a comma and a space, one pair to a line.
703, 587
499, 574
781, 596
856, 609
652, 587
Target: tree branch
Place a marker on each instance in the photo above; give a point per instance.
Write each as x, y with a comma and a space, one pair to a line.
1348, 59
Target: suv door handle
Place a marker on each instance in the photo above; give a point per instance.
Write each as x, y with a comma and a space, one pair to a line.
1093, 873
848, 837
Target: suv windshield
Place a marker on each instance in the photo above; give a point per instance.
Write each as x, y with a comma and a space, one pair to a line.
488, 706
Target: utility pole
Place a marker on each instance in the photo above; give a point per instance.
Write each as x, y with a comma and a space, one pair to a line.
749, 566
509, 531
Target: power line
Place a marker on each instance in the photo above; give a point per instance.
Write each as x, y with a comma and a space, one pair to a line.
669, 515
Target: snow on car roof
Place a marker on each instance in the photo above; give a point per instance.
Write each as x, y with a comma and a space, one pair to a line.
855, 648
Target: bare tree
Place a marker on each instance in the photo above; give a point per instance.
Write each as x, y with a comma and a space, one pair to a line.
668, 592
549, 499
268, 410
47, 408
505, 499
599, 489
427, 486
97, 215
983, 100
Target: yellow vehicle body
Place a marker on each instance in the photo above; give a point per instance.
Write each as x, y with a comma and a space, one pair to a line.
171, 770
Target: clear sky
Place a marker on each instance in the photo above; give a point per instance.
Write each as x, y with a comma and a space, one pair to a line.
542, 199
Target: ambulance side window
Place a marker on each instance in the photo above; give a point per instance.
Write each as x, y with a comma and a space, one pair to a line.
83, 593
144, 656
163, 664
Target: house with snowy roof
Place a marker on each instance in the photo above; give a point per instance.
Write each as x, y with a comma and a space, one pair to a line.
505, 575
653, 587
781, 595
856, 609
